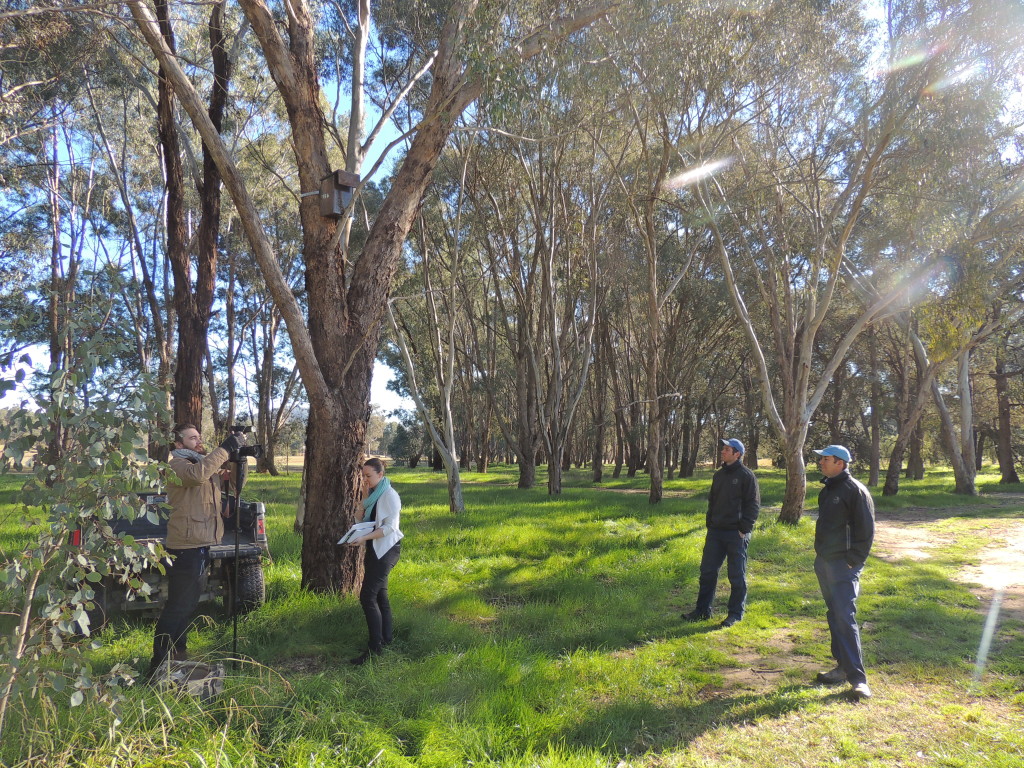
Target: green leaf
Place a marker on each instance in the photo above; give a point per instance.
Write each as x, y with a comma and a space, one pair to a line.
77, 698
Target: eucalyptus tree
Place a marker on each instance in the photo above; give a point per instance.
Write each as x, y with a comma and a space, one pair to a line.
193, 301
462, 46
440, 256
101, 403
825, 138
542, 267
510, 277
569, 293
704, 362
665, 102
489, 371
114, 102
56, 206
565, 223
953, 196
37, 48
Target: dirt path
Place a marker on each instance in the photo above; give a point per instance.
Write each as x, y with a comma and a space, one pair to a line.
915, 533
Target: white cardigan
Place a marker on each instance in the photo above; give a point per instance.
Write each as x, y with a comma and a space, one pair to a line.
389, 508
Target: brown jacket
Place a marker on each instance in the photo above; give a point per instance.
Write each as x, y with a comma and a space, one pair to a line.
195, 501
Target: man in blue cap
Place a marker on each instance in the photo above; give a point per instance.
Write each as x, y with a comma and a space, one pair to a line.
842, 540
733, 505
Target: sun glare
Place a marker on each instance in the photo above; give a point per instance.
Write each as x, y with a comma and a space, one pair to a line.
956, 77
693, 175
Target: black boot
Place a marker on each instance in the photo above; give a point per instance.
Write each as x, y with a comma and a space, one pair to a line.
362, 658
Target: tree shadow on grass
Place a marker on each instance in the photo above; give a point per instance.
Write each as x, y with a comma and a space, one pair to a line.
637, 727
912, 613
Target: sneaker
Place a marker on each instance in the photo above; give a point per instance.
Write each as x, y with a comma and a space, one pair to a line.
860, 692
696, 615
729, 621
832, 677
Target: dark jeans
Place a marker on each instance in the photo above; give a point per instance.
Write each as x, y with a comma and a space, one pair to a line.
719, 545
374, 594
184, 587
840, 586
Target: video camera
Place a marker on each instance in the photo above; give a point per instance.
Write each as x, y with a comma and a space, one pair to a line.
256, 451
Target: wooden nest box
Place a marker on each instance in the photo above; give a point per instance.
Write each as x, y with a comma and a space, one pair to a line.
336, 193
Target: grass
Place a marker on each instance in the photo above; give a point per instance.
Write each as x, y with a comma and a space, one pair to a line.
538, 631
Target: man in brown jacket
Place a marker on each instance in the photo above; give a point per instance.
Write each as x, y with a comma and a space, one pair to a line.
195, 524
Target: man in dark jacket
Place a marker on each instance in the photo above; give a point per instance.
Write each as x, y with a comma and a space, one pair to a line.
733, 505
842, 540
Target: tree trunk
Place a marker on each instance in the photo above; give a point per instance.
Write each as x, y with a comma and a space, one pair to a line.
188, 404
264, 393
910, 426
193, 304
875, 458
484, 454
619, 447
963, 473
1004, 444
219, 427
456, 503
526, 418
915, 461
838, 395
555, 473
654, 413
685, 468
654, 456
892, 475
796, 480
268, 461
698, 433
967, 429
597, 457
334, 450
963, 469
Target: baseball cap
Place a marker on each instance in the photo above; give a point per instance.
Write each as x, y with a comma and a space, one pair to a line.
836, 450
733, 443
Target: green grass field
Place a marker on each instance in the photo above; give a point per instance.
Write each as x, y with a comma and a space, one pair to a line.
537, 631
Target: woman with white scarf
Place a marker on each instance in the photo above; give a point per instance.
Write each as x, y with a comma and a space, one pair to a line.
382, 507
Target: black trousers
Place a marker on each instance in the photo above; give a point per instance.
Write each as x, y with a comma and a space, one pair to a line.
374, 594
720, 545
185, 578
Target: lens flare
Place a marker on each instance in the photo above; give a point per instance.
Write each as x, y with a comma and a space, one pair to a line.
693, 175
1001, 570
961, 75
911, 60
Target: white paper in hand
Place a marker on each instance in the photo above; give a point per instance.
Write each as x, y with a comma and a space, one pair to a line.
357, 530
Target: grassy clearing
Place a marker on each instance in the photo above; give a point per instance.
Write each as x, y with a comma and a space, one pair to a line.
546, 632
